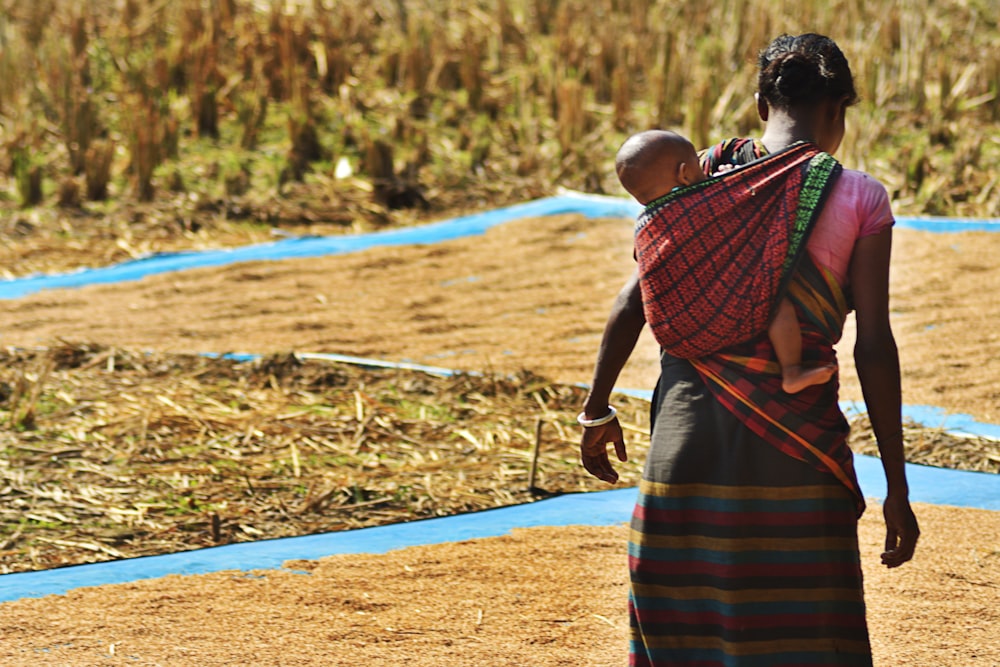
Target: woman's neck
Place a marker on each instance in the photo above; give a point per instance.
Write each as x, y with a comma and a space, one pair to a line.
784, 129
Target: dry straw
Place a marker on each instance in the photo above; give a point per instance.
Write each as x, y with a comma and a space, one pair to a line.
109, 453
582, 74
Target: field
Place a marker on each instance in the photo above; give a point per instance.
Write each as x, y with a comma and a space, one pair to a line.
326, 117
331, 118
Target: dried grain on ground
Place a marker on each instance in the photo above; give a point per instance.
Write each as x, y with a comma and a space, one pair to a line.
528, 294
542, 596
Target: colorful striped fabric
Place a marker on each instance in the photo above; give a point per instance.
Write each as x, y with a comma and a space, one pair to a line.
732, 152
746, 576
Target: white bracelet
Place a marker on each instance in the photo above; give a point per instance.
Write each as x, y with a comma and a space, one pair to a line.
600, 421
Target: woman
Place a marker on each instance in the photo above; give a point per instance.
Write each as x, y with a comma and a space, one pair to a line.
744, 539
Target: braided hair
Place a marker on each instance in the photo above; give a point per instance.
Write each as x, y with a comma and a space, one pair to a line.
804, 70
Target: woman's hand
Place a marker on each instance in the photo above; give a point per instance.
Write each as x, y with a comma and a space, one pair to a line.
620, 335
901, 531
594, 450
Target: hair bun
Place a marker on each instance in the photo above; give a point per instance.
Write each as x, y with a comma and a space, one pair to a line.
803, 70
796, 76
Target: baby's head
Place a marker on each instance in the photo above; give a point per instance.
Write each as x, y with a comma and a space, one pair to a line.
652, 163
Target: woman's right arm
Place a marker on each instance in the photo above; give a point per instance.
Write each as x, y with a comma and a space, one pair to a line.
620, 336
877, 362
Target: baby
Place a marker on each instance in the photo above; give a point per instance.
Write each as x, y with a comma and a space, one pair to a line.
653, 163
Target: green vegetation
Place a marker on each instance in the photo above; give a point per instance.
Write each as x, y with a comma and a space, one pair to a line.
445, 104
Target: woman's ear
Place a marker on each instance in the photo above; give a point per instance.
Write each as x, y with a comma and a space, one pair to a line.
762, 109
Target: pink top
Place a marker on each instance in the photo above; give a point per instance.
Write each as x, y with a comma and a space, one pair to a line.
857, 207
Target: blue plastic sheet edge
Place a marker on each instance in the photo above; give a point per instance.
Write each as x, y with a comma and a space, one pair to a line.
928, 415
927, 485
316, 246
594, 206
601, 508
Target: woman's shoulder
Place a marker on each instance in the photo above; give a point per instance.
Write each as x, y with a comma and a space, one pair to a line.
861, 185
867, 197
862, 180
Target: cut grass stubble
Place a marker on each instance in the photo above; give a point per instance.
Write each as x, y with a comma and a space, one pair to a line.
130, 454
138, 454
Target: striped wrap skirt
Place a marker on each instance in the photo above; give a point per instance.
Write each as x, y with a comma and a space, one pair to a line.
739, 555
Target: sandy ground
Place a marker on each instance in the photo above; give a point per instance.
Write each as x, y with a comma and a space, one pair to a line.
531, 294
540, 596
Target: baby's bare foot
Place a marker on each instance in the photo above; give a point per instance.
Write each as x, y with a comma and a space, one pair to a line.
796, 378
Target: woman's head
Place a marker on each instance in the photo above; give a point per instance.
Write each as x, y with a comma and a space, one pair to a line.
804, 86
804, 70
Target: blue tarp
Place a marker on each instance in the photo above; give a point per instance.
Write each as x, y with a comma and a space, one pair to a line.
602, 508
597, 509
594, 206
317, 246
934, 417
948, 225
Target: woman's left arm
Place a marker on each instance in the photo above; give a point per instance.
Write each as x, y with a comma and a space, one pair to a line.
877, 361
